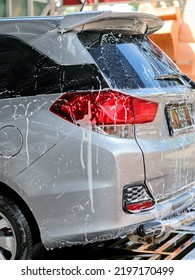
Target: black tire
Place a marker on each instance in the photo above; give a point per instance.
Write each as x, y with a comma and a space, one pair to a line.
14, 227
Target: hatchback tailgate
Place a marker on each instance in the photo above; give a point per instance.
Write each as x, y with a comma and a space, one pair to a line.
168, 144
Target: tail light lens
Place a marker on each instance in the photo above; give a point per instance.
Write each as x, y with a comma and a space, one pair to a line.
109, 111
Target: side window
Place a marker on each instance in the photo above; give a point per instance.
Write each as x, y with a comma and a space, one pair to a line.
26, 72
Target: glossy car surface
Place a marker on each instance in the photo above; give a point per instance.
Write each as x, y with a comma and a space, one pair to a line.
97, 136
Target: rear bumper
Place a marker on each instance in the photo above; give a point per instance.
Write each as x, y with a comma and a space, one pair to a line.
153, 224
175, 205
153, 230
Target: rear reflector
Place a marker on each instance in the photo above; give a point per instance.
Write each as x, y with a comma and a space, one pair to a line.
104, 109
137, 198
139, 206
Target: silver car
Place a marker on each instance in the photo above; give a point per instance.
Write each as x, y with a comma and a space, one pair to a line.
97, 135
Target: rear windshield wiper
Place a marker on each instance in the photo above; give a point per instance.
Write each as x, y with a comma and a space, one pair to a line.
175, 76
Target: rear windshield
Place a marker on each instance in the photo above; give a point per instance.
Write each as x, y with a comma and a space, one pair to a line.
129, 62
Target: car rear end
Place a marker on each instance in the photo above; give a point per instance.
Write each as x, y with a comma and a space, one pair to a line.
143, 119
151, 102
123, 160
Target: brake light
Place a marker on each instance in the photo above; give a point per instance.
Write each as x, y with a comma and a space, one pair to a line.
104, 109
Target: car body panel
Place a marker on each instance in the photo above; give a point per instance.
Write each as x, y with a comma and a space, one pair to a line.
29, 116
82, 192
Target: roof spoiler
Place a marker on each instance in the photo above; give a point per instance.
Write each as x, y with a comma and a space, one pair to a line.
134, 22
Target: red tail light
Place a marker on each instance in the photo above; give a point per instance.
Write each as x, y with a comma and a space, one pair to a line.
104, 108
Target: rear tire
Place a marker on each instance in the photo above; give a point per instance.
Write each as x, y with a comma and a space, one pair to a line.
15, 234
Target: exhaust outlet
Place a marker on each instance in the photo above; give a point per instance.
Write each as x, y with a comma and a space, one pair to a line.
154, 228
